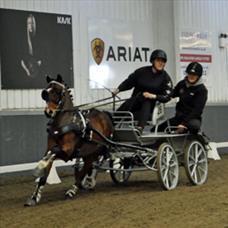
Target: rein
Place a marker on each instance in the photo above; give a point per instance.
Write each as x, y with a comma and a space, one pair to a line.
104, 87
107, 103
97, 101
76, 108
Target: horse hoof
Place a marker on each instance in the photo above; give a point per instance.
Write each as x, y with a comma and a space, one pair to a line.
69, 196
89, 183
30, 202
71, 192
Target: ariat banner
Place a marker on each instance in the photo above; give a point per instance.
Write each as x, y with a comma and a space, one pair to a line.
116, 49
33, 45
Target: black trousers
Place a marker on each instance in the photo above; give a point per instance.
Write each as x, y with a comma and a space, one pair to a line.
193, 125
141, 107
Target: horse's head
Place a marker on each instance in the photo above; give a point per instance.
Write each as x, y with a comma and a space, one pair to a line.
54, 95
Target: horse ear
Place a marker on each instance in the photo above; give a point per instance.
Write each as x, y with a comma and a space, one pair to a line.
59, 78
48, 79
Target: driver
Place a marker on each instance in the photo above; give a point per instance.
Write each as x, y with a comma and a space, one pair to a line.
151, 84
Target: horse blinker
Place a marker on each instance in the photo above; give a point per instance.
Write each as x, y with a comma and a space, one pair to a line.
45, 95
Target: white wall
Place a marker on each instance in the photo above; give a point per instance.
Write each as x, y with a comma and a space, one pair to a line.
207, 16
148, 11
141, 10
168, 17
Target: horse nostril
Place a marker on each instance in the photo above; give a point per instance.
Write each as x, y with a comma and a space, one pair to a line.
44, 95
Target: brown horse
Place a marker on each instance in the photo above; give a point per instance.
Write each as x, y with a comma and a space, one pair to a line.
71, 134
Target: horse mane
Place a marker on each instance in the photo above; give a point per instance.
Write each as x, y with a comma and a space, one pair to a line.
69, 91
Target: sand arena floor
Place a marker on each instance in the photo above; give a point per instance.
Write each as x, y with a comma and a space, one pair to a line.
141, 203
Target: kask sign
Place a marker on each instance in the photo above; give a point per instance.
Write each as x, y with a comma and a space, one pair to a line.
116, 49
33, 45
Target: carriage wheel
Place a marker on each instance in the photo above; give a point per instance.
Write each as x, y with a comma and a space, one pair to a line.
168, 168
195, 163
120, 176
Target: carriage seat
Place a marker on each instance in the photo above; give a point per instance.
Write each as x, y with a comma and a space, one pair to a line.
158, 113
125, 130
124, 122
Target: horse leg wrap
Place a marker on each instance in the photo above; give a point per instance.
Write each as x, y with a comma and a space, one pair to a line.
71, 192
89, 181
37, 193
39, 171
36, 196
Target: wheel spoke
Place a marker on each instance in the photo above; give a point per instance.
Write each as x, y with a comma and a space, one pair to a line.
193, 170
200, 173
173, 173
165, 175
164, 163
191, 164
191, 157
172, 159
195, 175
203, 160
170, 178
199, 153
173, 164
167, 181
196, 152
202, 169
167, 156
163, 169
123, 175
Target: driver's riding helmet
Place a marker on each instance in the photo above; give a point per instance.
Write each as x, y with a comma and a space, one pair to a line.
158, 53
195, 68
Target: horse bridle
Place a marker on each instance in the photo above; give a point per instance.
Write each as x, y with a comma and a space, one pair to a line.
45, 94
59, 108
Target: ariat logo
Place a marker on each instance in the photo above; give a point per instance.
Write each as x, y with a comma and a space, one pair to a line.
97, 48
118, 53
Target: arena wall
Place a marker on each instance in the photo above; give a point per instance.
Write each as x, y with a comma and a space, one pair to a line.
168, 19
24, 138
22, 123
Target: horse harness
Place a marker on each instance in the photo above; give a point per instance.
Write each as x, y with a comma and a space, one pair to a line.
80, 122
80, 125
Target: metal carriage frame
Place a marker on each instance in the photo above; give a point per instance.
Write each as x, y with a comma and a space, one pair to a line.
162, 152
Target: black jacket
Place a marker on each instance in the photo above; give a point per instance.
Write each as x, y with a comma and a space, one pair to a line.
145, 80
192, 100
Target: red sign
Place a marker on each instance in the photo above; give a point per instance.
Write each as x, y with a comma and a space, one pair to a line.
195, 58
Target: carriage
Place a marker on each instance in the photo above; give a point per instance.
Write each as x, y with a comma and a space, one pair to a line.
162, 152
114, 143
